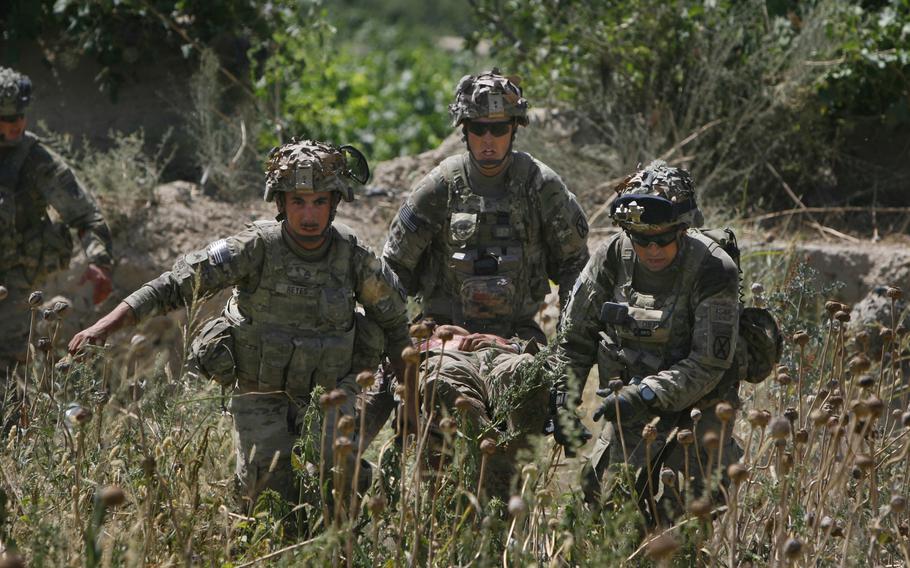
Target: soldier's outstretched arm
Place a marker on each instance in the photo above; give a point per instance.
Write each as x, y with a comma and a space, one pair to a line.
565, 230
714, 336
419, 219
194, 277
581, 318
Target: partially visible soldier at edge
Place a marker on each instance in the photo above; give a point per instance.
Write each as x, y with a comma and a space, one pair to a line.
32, 179
290, 324
657, 308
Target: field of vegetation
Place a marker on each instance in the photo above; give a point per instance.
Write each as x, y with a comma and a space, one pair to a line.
126, 458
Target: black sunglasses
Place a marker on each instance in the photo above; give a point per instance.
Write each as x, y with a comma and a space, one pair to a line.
497, 129
660, 239
11, 117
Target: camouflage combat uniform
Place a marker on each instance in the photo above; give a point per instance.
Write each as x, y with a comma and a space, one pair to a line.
33, 245
679, 341
290, 325
480, 251
500, 409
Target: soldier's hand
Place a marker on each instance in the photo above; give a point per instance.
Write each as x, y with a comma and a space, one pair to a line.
569, 431
631, 405
475, 341
95, 334
100, 277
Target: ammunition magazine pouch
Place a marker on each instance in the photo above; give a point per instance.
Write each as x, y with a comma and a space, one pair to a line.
212, 351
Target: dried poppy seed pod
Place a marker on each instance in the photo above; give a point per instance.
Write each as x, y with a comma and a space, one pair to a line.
337, 397
898, 503
44, 344
695, 415
488, 446
859, 363
529, 469
649, 433
791, 414
324, 400
784, 379
864, 462
876, 406
783, 370
448, 426
661, 548
366, 379
866, 381
615, 385
3, 293
826, 523
737, 472
111, 496
62, 308
905, 419
801, 436
758, 418
818, 418
343, 446
49, 315
35, 298
419, 331
77, 415
668, 477
725, 411
757, 288
842, 316
700, 508
894, 292
792, 548
444, 334
710, 440
801, 338
346, 425
780, 428
885, 334
832, 307
410, 355
860, 409
463, 403
836, 401
517, 506
685, 437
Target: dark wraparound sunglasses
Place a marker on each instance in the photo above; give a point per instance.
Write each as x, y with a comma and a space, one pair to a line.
660, 239
497, 129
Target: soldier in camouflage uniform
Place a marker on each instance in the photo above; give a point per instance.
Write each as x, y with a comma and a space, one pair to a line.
291, 323
656, 308
32, 246
481, 236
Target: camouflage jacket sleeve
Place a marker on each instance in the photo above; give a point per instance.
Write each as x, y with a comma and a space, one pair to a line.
419, 219
565, 232
581, 324
378, 291
76, 208
716, 300
223, 263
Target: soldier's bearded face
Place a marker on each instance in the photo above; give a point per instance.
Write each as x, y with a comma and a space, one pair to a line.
308, 215
653, 256
488, 149
12, 128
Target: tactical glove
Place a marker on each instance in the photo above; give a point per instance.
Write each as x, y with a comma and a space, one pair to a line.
631, 404
569, 432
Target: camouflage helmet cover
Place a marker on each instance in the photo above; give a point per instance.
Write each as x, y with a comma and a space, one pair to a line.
489, 95
656, 197
15, 92
313, 166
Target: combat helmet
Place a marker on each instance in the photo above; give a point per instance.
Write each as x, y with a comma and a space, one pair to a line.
313, 166
15, 92
489, 95
656, 197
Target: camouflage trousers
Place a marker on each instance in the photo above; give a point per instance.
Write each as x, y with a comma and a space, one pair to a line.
664, 453
266, 428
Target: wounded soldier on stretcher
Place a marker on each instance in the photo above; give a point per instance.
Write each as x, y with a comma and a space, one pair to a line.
494, 390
